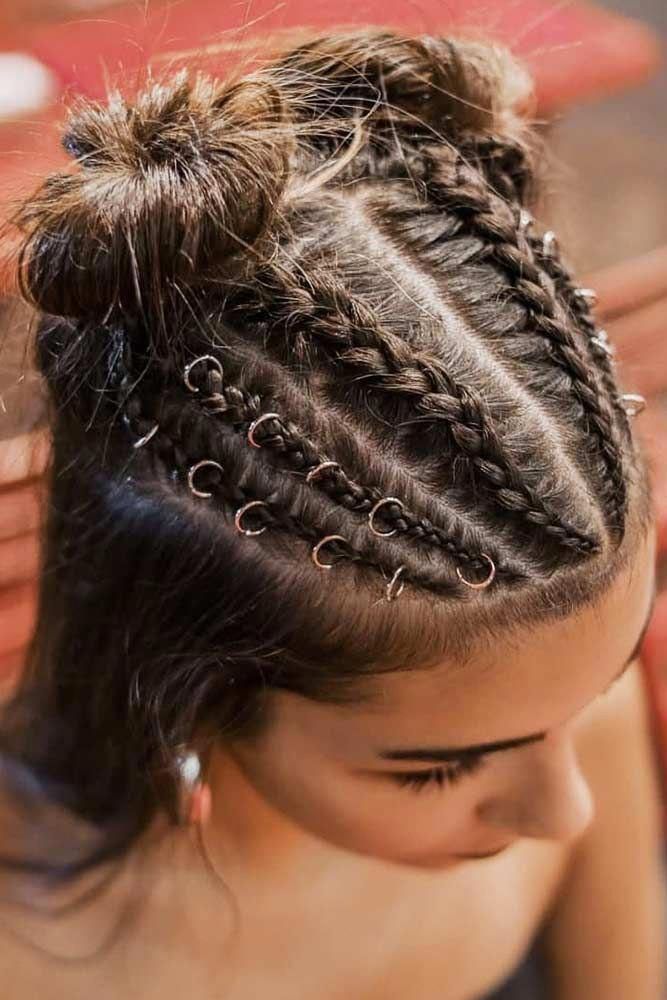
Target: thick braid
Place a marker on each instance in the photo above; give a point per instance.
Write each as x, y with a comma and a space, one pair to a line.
326, 309
239, 408
461, 190
183, 438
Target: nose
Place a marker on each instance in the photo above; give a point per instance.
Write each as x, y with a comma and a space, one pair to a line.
546, 795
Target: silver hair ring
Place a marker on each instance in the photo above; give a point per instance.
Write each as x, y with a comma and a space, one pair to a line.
526, 220
549, 242
143, 440
602, 340
323, 465
191, 474
190, 366
241, 511
633, 398
383, 534
255, 424
316, 549
589, 295
390, 596
484, 583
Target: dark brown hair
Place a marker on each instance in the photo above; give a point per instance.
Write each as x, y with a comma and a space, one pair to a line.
344, 231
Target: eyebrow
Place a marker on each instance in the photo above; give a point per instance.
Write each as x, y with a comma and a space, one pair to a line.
444, 754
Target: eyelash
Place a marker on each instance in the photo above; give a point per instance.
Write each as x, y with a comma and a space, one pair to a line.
447, 775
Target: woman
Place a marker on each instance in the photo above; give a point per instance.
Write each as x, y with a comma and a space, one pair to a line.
348, 556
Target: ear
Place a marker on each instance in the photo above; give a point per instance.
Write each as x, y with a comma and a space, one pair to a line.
200, 805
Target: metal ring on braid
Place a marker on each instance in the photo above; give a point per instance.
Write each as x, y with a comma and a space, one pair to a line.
468, 196
347, 326
580, 302
362, 497
174, 453
276, 518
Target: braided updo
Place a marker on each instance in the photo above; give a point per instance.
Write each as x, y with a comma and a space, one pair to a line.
307, 313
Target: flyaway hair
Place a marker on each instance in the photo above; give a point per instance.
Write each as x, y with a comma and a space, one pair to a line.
331, 263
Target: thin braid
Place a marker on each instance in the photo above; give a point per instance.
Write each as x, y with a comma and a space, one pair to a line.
301, 454
506, 165
240, 408
580, 308
327, 309
460, 190
182, 439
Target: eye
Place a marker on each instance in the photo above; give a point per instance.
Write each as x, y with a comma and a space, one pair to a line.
448, 774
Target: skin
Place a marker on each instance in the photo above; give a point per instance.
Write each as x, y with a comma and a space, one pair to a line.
314, 775
303, 839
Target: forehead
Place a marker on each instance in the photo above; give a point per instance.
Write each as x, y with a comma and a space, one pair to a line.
529, 681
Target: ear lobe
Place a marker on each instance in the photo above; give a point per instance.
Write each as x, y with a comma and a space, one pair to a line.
200, 805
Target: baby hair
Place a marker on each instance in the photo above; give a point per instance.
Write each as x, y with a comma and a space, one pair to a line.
325, 402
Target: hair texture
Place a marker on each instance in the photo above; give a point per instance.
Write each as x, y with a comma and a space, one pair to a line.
344, 232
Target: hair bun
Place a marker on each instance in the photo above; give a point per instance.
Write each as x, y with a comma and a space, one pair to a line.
481, 85
165, 190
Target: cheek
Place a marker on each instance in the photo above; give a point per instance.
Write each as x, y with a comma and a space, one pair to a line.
373, 817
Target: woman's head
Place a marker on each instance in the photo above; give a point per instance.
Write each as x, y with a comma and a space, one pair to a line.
319, 291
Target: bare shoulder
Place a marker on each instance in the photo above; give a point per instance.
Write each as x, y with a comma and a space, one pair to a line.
605, 933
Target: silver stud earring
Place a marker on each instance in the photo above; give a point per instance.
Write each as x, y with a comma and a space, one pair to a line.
189, 766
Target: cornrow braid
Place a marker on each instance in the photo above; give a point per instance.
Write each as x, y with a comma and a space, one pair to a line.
175, 448
241, 410
579, 302
507, 166
459, 188
355, 339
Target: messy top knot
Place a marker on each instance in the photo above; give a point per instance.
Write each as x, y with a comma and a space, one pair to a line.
164, 191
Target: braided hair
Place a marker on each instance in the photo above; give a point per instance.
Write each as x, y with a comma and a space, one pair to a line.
324, 403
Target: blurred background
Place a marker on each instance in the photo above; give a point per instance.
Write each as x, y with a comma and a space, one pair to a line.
613, 153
